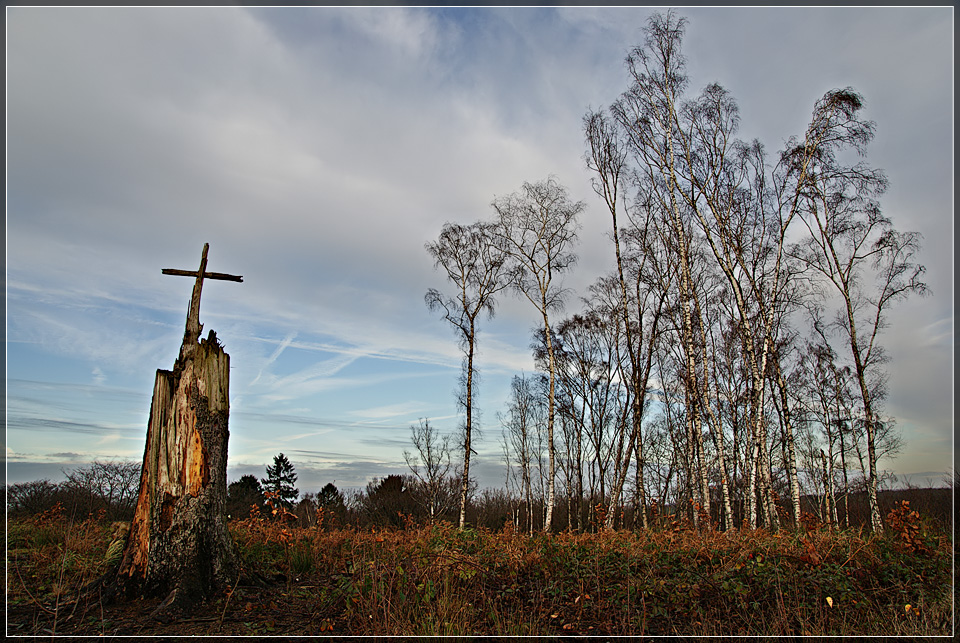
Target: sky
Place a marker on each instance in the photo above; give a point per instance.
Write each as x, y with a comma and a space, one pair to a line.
318, 149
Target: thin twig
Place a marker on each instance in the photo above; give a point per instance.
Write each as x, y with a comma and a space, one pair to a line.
853, 554
32, 598
103, 621
227, 603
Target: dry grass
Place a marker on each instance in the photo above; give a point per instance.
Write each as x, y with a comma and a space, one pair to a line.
435, 580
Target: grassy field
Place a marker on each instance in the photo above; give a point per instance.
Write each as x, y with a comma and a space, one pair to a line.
435, 580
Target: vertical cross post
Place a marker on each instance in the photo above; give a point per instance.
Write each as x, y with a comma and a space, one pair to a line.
191, 334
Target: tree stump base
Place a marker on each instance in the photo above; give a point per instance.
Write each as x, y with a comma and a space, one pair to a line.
179, 546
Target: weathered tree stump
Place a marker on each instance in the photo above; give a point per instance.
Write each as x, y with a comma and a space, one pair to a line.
179, 546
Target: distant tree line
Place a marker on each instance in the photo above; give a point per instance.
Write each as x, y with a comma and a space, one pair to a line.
399, 500
108, 487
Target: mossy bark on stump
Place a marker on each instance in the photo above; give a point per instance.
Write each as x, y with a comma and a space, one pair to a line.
179, 546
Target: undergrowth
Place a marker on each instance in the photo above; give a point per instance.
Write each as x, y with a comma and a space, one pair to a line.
436, 580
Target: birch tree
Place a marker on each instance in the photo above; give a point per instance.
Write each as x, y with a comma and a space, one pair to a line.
431, 465
849, 242
522, 426
591, 373
475, 265
649, 115
536, 228
638, 305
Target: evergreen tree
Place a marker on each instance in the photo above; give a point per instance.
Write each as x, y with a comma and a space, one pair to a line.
330, 497
280, 480
242, 494
331, 501
388, 500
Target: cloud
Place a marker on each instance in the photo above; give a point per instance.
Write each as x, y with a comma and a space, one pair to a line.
30, 471
67, 455
280, 348
939, 333
15, 423
83, 325
392, 411
317, 149
410, 33
323, 455
240, 147
347, 475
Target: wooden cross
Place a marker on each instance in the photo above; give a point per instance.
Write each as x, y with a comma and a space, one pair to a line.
192, 333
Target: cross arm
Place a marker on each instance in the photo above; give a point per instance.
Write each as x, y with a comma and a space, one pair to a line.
206, 275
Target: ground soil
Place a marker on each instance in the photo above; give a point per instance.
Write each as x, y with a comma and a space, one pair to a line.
276, 609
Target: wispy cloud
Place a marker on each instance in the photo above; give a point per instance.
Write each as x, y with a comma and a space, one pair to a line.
273, 356
407, 409
55, 425
319, 377
938, 333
